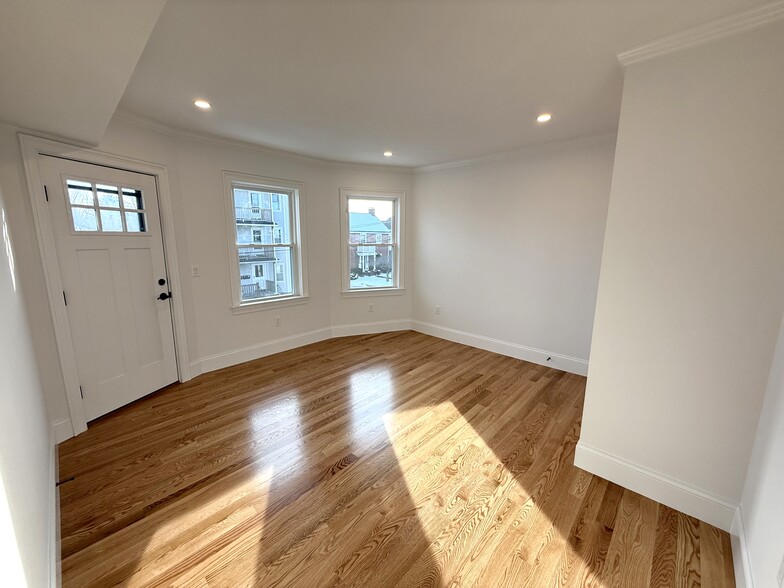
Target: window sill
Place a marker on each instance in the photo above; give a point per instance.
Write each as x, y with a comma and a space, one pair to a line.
373, 292
269, 304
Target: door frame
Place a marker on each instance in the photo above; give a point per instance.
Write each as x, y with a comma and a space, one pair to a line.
32, 148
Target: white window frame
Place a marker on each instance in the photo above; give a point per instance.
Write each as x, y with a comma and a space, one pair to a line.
399, 196
295, 190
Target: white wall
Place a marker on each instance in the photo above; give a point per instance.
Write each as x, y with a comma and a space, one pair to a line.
510, 250
26, 454
762, 506
692, 280
216, 336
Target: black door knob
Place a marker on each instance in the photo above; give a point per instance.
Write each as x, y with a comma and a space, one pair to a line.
164, 296
161, 282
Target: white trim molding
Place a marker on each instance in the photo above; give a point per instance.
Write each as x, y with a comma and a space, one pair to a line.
53, 522
146, 123
698, 503
720, 28
32, 148
740, 552
548, 147
573, 365
62, 430
251, 352
370, 328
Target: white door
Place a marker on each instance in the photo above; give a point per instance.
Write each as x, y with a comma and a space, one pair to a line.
107, 230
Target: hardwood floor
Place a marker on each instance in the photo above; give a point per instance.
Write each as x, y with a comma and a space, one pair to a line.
392, 459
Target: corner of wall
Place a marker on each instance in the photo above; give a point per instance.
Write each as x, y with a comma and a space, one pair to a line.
61, 430
370, 328
740, 552
53, 547
698, 503
573, 365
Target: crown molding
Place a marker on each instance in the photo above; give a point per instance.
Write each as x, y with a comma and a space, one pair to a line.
151, 125
720, 28
522, 151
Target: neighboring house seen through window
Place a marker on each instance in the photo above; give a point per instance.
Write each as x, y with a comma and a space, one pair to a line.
371, 237
265, 238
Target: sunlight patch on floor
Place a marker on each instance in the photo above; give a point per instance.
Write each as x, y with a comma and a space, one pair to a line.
217, 514
372, 392
282, 419
465, 456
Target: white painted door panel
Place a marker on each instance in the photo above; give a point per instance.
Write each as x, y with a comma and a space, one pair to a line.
107, 230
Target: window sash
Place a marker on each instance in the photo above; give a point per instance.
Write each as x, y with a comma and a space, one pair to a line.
379, 243
393, 248
288, 195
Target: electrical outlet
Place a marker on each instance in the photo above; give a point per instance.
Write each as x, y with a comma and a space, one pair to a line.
438, 309
195, 271
370, 307
780, 575
277, 321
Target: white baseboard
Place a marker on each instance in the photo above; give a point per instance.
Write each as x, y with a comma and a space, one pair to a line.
740, 552
53, 525
572, 365
62, 430
235, 356
703, 505
370, 328
229, 358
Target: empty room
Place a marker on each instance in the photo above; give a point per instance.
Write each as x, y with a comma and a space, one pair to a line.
374, 293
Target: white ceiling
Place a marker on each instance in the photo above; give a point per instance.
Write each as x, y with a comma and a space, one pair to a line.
433, 80
64, 64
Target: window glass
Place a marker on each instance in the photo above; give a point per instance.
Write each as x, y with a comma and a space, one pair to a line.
372, 250
263, 231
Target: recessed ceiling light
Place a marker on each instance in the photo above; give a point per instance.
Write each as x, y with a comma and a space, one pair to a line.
203, 104
387, 154
544, 117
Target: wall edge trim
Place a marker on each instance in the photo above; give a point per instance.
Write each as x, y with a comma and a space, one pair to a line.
702, 34
574, 365
706, 506
740, 552
61, 430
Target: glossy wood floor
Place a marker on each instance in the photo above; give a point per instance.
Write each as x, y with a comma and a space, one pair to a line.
392, 459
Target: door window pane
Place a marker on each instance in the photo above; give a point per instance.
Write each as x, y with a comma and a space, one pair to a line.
132, 199
135, 222
113, 205
111, 221
108, 196
84, 219
79, 194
